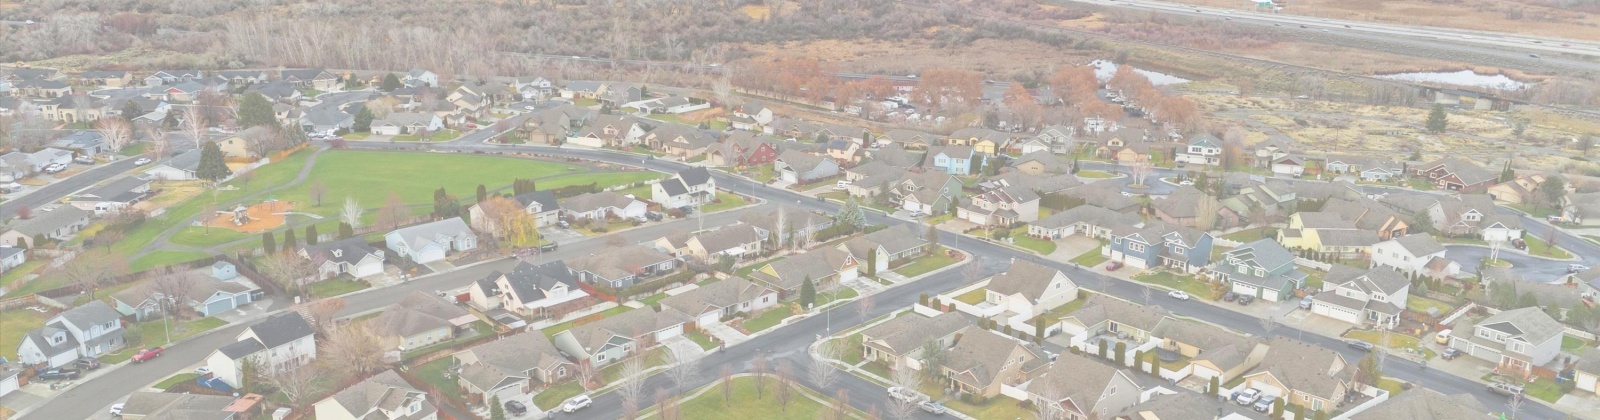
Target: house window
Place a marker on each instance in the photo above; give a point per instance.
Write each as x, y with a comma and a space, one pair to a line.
1135, 247
601, 357
1261, 273
561, 371
1244, 270
1305, 397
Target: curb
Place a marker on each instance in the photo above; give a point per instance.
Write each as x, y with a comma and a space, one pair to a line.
1520, 252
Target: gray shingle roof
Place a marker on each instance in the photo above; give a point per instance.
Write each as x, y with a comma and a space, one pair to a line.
980, 355
44, 222
898, 238
815, 264
92, 313
618, 262
517, 354
529, 281
1530, 323
1419, 244
714, 296
384, 391
348, 250
282, 328
1093, 215
1024, 277
1099, 308
911, 331
594, 201
1264, 252
1426, 404
1304, 367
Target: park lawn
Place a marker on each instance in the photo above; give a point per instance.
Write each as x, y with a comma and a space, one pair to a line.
555, 395
174, 380
1090, 258
1252, 234
769, 318
1167, 279
1538, 247
1421, 305
13, 326
925, 264
437, 373
335, 287
603, 180
1090, 173
999, 407
269, 176
1041, 246
1572, 344
203, 237
744, 405
973, 297
698, 337
163, 258
370, 176
552, 330
20, 271
729, 200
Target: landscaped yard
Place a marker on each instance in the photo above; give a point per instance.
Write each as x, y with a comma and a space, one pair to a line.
1252, 234
1572, 344
764, 173
924, 264
1391, 385
1041, 246
13, 326
729, 201
655, 357
744, 405
1090, 173
370, 176
478, 328
437, 373
20, 271
335, 287
769, 318
999, 407
1195, 288
175, 379
1092, 258
699, 337
1421, 305
973, 297
1538, 247
555, 395
1543, 389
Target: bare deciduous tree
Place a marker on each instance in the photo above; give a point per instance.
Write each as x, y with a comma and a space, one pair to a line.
353, 349
821, 369
758, 367
351, 213
173, 286
864, 306
1268, 324
288, 269
1139, 169
683, 371
117, 132
194, 124
587, 373
322, 313
88, 273
902, 409
393, 212
727, 384
972, 270
784, 391
156, 145
317, 192
299, 386
631, 385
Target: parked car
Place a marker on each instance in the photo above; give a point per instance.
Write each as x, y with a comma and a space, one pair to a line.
1264, 404
1359, 345
1519, 244
1179, 295
147, 354
905, 394
141, 161
1229, 297
1249, 396
1575, 268
841, 185
515, 408
1186, 182
1114, 266
548, 247
1443, 337
58, 374
1305, 302
54, 168
1451, 353
87, 363
1506, 389
84, 160
655, 215
932, 407
576, 403
1244, 300
202, 371
116, 409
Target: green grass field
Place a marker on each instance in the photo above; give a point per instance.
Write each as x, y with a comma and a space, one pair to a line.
743, 404
1090, 258
728, 201
925, 264
555, 395
604, 179
1041, 246
370, 176
768, 319
175, 379
335, 287
1252, 234
1538, 247
13, 326
436, 373
973, 297
163, 258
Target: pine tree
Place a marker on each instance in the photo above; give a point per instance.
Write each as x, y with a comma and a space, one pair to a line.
1074, 165
212, 167
872, 263
256, 110
390, 83
808, 293
496, 412
268, 243
1437, 120
131, 110
363, 121
288, 241
850, 214
1507, 174
311, 235
1212, 388
483, 193
346, 231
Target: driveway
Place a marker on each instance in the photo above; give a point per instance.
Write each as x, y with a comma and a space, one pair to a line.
683, 348
728, 335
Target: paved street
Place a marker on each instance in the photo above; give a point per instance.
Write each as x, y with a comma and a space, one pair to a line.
55, 191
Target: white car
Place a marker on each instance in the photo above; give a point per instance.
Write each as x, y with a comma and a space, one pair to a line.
1576, 268
1178, 294
116, 409
202, 371
1186, 182
576, 403
141, 161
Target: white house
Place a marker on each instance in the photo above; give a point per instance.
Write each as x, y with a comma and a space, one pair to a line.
708, 305
528, 289
429, 242
1203, 149
1587, 371
616, 337
179, 168
1288, 165
397, 123
281, 342
1414, 254
353, 256
603, 205
420, 77
1376, 296
1028, 289
11, 258
90, 330
383, 396
544, 207
688, 187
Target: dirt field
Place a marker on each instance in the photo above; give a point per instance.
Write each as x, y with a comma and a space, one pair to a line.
263, 217
1000, 58
1487, 15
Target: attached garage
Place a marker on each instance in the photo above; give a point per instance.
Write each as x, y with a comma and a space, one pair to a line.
1341, 313
707, 319
429, 255
218, 306
790, 177
1246, 289
848, 275
669, 333
367, 268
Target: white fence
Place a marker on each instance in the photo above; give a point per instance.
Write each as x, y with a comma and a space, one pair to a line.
1014, 392
1378, 396
1312, 264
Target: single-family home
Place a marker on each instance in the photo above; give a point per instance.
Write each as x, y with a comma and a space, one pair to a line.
820, 266
620, 267
750, 116
420, 77
542, 205
1212, 352
432, 241
601, 206
843, 150
1108, 319
709, 304
1078, 387
278, 91
512, 367
1360, 297
283, 341
352, 256
1185, 406
982, 361
11, 258
1028, 289
108, 78
1289, 165
787, 223
1415, 254
1476, 214
682, 141
794, 166
114, 196
1263, 269
909, 139
1313, 377
82, 143
398, 123
981, 140
688, 187
1001, 207
1157, 244
528, 289
1107, 195
1087, 220
890, 247
609, 130
90, 330
146, 405
1184, 207
54, 225
1454, 174
673, 105
618, 337
1522, 190
743, 149
1424, 403
212, 297
1326, 232
956, 159
247, 142
1203, 149
538, 88
1515, 340
1586, 373
738, 240
583, 89
315, 79
419, 320
899, 342
244, 77
382, 396
1040, 163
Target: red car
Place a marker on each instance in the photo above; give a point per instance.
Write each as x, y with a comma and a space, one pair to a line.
147, 354
1114, 266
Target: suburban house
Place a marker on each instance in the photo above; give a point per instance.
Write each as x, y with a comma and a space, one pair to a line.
55, 225
398, 123
1078, 387
352, 256
1185, 406
899, 342
1454, 174
383, 396
750, 116
1203, 149
11, 258
419, 320
420, 77
887, 248
981, 140
1263, 269
619, 268
1368, 214
955, 160
1376, 296
583, 89
1476, 214
711, 303
1109, 319
1185, 205
429, 242
1302, 374
107, 78
820, 265
981, 361
601, 206
1515, 340
1288, 165
673, 105
909, 139
1001, 207
114, 196
281, 342
316, 79
1157, 244
1522, 190
544, 207
1087, 220
245, 143
1040, 163
737, 240
1586, 373
682, 141
244, 77
617, 337
83, 143
146, 405
209, 298
794, 166
1213, 352
687, 188
528, 290
605, 130
1327, 233
787, 222
1107, 195
512, 367
1028, 289
1415, 254
744, 149
1426, 403
90, 330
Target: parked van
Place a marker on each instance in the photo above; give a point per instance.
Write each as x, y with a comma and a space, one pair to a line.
1443, 338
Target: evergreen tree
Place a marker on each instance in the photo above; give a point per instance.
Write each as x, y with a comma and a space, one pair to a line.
256, 110
822, 138
1416, 156
866, 138
295, 134
350, 83
808, 293
130, 110
212, 167
346, 231
483, 193
1507, 174
1121, 352
1437, 120
1211, 389
268, 243
1074, 165
850, 214
363, 121
288, 241
872, 263
496, 412
390, 83
1322, 415
311, 235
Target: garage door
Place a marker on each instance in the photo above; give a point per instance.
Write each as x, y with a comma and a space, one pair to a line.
789, 176
369, 269
668, 333
1244, 289
1335, 312
218, 307
430, 256
706, 319
848, 275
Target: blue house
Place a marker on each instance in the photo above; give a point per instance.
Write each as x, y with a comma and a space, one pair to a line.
955, 160
1157, 244
223, 270
1263, 269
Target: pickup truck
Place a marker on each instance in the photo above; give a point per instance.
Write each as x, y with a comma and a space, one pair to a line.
58, 374
147, 354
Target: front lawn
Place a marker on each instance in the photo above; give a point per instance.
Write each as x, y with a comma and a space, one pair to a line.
699, 337
925, 264
1396, 341
154, 333
175, 380
1538, 247
1572, 344
14, 325
1092, 258
1543, 389
729, 200
1421, 305
764, 173
655, 357
20, 271
743, 403
769, 318
1090, 173
1391, 385
1195, 288
555, 395
437, 373
132, 150
1252, 234
973, 297
645, 150
1041, 246
999, 407
553, 329
335, 287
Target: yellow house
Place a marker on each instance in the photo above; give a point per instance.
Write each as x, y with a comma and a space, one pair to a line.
982, 140
1326, 232
1212, 351
246, 144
